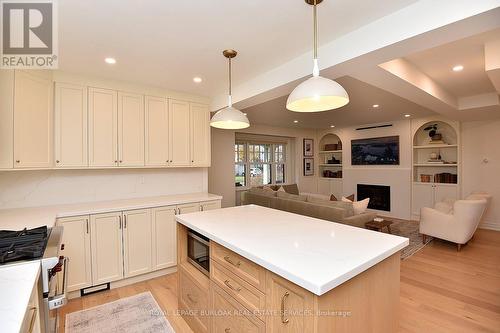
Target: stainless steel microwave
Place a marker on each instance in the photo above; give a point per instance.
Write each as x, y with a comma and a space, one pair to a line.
198, 251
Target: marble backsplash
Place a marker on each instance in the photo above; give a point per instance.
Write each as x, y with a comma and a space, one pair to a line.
49, 187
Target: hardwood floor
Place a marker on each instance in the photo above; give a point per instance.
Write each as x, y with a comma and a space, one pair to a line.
442, 290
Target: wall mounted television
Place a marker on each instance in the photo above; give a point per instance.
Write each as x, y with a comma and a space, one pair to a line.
375, 151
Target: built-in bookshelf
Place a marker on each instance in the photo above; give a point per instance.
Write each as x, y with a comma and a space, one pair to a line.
330, 157
435, 160
435, 163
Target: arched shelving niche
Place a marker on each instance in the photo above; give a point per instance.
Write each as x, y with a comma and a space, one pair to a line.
436, 163
330, 156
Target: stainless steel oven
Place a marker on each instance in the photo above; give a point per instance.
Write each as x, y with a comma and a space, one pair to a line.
54, 277
198, 251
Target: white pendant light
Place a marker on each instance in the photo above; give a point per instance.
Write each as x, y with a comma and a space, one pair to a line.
316, 93
229, 117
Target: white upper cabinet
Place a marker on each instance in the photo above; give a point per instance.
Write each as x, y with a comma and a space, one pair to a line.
179, 133
33, 118
200, 135
157, 138
6, 119
70, 125
103, 127
46, 125
130, 129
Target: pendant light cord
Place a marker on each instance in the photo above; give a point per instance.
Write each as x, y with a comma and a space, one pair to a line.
315, 29
315, 32
230, 90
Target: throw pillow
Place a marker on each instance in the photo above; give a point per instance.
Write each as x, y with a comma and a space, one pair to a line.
358, 206
281, 189
291, 188
333, 198
351, 197
268, 188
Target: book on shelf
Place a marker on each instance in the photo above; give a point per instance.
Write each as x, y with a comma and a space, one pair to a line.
445, 178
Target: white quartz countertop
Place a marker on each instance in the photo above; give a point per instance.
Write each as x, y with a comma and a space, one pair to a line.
16, 284
315, 254
31, 217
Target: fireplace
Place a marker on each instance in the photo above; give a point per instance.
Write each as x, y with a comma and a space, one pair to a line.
380, 196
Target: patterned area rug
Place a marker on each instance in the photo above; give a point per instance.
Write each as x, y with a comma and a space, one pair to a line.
409, 229
135, 314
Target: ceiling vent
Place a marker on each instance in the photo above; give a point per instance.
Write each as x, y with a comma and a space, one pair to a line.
372, 127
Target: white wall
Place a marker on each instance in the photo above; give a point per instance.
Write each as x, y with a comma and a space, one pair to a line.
396, 176
49, 187
480, 141
221, 173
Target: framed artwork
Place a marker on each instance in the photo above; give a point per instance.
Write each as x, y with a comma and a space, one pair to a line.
308, 166
309, 147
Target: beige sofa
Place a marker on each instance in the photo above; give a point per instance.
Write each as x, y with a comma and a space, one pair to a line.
335, 211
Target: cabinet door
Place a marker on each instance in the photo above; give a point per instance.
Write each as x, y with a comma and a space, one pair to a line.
210, 205
130, 129
297, 304
157, 133
33, 117
137, 242
423, 196
107, 255
445, 191
70, 125
6, 119
103, 127
189, 208
76, 240
200, 135
164, 237
179, 132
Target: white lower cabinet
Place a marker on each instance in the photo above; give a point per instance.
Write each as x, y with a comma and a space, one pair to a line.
428, 194
76, 240
210, 205
137, 246
188, 208
107, 247
164, 237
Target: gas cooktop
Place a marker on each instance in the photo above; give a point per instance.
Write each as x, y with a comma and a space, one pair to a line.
23, 244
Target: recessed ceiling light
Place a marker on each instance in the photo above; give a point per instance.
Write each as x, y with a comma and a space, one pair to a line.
110, 61
332, 126
197, 79
407, 115
295, 121
458, 68
375, 106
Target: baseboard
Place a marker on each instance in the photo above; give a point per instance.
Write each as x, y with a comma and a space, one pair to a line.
490, 226
131, 280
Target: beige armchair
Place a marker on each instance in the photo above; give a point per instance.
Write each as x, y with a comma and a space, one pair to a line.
456, 224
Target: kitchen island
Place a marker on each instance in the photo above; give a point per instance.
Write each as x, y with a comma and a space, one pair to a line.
274, 271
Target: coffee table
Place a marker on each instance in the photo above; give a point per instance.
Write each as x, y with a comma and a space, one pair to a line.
378, 226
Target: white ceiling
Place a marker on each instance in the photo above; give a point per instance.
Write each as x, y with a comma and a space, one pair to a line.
165, 43
438, 62
359, 110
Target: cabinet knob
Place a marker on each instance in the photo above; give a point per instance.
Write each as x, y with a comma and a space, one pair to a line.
121, 161
18, 161
116, 161
57, 161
